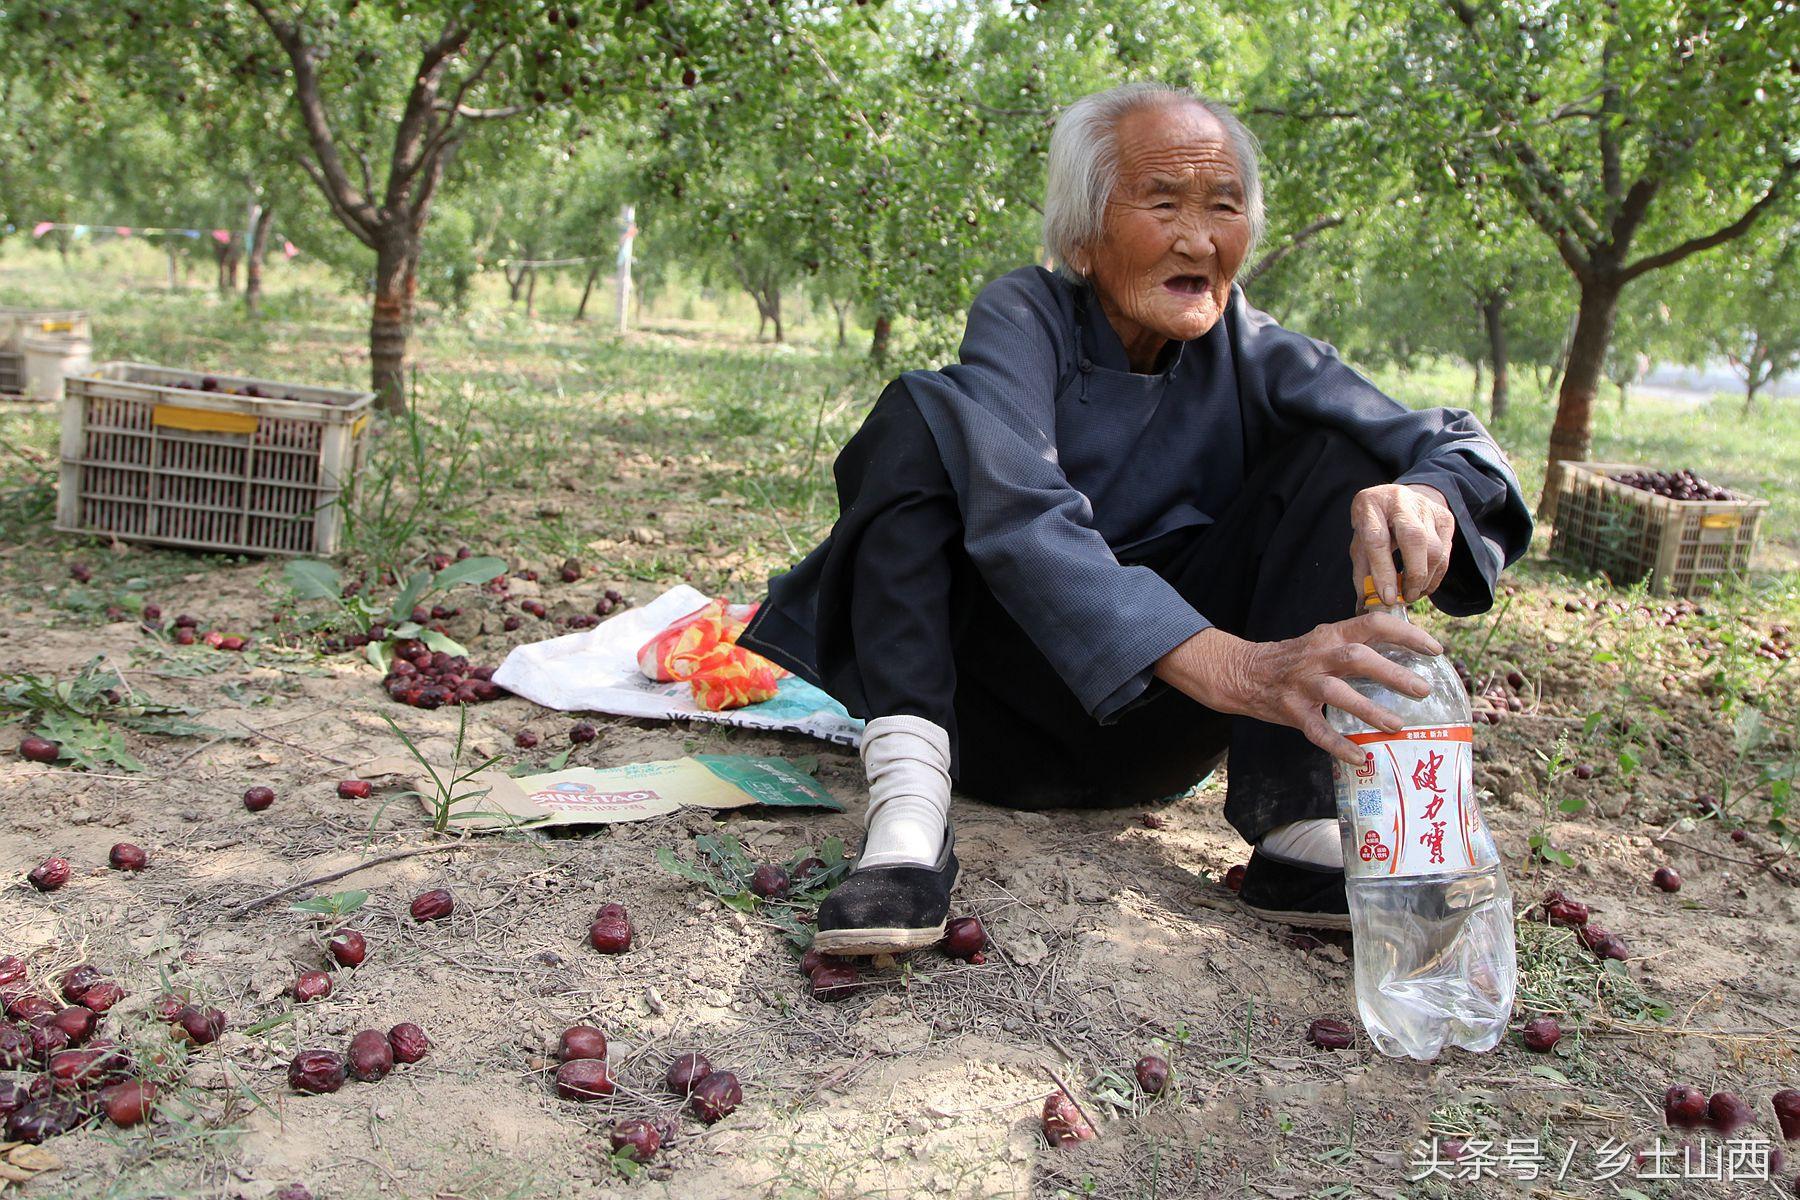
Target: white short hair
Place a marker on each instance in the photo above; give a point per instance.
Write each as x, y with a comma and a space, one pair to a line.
1084, 165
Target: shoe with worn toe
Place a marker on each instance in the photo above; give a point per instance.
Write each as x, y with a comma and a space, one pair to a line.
1291, 893
889, 910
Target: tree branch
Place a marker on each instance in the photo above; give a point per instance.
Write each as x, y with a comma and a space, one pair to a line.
410, 138
353, 207
1610, 179
1721, 235
1299, 239
351, 221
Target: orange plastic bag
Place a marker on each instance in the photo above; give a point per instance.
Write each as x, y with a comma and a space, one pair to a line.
701, 649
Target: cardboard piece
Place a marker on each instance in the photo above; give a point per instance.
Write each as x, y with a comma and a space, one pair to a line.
590, 796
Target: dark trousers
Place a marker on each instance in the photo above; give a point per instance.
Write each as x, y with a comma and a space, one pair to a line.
927, 638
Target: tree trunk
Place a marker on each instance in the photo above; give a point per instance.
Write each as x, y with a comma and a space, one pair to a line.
840, 310
396, 284
514, 283
170, 249
1571, 436
775, 309
880, 338
1475, 391
253, 263
587, 290
531, 294
1493, 312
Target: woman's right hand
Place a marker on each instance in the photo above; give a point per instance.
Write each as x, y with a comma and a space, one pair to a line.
1289, 682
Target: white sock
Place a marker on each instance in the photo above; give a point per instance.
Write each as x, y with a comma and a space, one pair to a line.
1314, 842
907, 763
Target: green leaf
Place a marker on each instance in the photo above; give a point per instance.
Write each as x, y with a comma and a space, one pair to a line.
379, 654
1561, 858
312, 580
469, 570
438, 641
415, 589
1548, 1072
335, 905
1572, 804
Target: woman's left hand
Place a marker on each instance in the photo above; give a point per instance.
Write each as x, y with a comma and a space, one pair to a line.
1413, 518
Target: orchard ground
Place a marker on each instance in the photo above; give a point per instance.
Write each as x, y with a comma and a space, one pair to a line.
687, 452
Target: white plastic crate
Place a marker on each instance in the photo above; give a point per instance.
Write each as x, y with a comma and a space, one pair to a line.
146, 459
17, 324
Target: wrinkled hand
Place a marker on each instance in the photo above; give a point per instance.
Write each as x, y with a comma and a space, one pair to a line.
1413, 518
1289, 682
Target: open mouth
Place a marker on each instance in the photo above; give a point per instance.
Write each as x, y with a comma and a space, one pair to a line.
1186, 285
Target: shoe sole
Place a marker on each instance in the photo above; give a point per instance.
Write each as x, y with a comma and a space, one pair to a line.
876, 941
1302, 920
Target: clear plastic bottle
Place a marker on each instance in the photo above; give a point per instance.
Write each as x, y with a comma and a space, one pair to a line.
1429, 907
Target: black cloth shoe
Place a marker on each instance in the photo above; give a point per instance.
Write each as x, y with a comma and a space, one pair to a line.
889, 910
1292, 893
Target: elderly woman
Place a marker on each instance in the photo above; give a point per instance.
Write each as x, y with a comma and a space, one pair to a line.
1125, 535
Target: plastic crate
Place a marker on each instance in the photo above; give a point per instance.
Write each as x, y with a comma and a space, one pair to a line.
16, 324
145, 460
1681, 546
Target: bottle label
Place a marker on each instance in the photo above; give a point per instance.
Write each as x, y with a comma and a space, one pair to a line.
1411, 805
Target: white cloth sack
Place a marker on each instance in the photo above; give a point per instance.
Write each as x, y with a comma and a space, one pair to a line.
596, 670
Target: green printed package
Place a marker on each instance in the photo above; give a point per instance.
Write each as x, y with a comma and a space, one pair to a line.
587, 796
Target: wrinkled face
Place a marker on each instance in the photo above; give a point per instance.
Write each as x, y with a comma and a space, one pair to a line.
1177, 229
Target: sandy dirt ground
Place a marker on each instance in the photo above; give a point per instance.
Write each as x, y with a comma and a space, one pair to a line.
1113, 933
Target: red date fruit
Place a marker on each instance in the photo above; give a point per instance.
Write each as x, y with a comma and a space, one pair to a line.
409, 1042
1328, 1033
73, 1070
127, 857
434, 905
1064, 1123
1591, 936
636, 1140
571, 570
525, 739
1541, 1033
15, 1048
312, 985
1787, 1112
1728, 1113
348, 947
1612, 946
167, 1007
685, 1074
12, 969
40, 750
584, 1079
1234, 878
770, 882
1667, 879
1684, 1106
316, 1072
76, 1021
102, 996
13, 1097
581, 1041
965, 937
805, 869
78, 979
46, 1040
50, 874
1570, 913
582, 733
716, 1097
835, 981
371, 1056
29, 1005
354, 789
1152, 1074
40, 1121
812, 960
201, 1026
128, 1103
610, 933
258, 798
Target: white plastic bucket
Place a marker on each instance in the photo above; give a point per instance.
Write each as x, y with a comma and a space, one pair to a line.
50, 358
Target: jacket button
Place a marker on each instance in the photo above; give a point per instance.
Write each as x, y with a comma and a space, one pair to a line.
1087, 364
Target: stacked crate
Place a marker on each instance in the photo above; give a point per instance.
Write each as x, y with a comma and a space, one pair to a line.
210, 462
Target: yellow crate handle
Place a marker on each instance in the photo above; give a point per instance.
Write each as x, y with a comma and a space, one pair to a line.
202, 420
56, 326
357, 428
1723, 520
